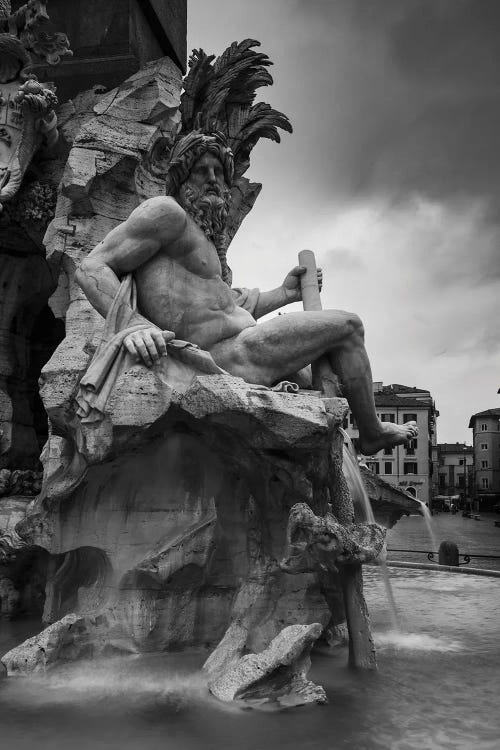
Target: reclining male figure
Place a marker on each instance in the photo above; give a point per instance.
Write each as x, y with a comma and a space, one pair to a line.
174, 246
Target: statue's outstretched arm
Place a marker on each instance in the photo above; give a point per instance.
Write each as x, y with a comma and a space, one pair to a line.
150, 228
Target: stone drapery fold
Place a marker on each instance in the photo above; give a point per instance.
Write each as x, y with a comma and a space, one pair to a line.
111, 358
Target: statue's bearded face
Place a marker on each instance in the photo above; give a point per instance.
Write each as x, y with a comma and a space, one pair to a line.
205, 195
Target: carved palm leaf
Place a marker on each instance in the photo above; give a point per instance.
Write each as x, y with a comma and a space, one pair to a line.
195, 83
260, 121
219, 96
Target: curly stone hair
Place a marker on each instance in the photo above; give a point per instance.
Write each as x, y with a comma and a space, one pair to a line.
186, 152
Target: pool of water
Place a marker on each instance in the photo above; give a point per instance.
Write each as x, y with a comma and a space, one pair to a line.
437, 687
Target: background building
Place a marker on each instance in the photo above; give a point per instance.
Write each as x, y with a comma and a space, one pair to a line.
454, 473
486, 441
408, 467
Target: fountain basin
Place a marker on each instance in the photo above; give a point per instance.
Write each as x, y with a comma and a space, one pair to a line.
436, 687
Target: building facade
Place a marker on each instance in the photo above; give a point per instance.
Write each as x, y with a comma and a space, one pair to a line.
485, 427
455, 470
408, 467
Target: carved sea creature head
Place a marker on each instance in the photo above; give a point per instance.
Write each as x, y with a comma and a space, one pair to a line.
322, 543
13, 57
313, 542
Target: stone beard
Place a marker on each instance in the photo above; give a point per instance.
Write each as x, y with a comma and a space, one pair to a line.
209, 208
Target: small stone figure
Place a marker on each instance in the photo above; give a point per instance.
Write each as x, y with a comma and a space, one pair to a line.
27, 107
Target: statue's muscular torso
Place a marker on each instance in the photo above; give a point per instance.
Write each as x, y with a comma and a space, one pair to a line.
177, 273
180, 289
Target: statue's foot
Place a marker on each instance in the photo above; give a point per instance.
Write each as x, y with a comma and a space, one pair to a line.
388, 436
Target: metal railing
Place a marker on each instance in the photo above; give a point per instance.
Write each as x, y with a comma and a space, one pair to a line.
433, 555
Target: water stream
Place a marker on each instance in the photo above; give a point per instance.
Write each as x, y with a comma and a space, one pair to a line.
363, 509
428, 524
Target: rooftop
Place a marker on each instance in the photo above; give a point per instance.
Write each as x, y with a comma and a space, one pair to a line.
486, 413
454, 448
390, 399
398, 388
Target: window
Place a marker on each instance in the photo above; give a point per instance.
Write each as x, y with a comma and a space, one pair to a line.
410, 467
387, 418
484, 483
373, 466
484, 464
484, 446
409, 417
442, 481
387, 467
484, 427
461, 480
411, 446
460, 462
388, 451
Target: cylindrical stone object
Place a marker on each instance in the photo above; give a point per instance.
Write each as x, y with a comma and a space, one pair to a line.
448, 554
311, 299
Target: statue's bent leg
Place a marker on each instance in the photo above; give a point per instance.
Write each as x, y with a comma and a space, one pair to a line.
267, 352
270, 350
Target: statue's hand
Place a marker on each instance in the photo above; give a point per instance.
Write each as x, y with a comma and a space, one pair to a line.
291, 284
148, 344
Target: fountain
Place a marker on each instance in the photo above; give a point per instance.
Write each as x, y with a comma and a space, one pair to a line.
199, 537
171, 471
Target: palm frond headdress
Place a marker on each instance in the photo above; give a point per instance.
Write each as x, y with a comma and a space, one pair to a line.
219, 114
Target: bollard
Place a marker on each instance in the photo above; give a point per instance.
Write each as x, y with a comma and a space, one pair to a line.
448, 553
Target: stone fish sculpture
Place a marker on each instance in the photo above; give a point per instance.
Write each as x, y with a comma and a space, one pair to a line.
173, 465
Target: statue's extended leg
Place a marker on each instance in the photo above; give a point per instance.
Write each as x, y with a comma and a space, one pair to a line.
270, 350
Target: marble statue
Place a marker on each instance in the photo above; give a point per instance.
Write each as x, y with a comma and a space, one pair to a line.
175, 460
169, 245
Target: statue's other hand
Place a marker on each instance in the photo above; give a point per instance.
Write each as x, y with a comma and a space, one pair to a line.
291, 284
148, 344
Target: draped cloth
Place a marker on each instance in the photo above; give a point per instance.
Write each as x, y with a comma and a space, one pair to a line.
111, 358
184, 361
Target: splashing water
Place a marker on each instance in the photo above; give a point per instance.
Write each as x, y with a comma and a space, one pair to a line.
417, 642
361, 502
136, 680
352, 474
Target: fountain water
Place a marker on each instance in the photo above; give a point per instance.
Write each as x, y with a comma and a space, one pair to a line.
428, 523
361, 502
418, 698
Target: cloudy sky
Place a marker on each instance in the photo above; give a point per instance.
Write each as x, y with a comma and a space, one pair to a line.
392, 177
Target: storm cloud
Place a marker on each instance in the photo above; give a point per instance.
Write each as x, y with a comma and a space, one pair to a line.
391, 175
